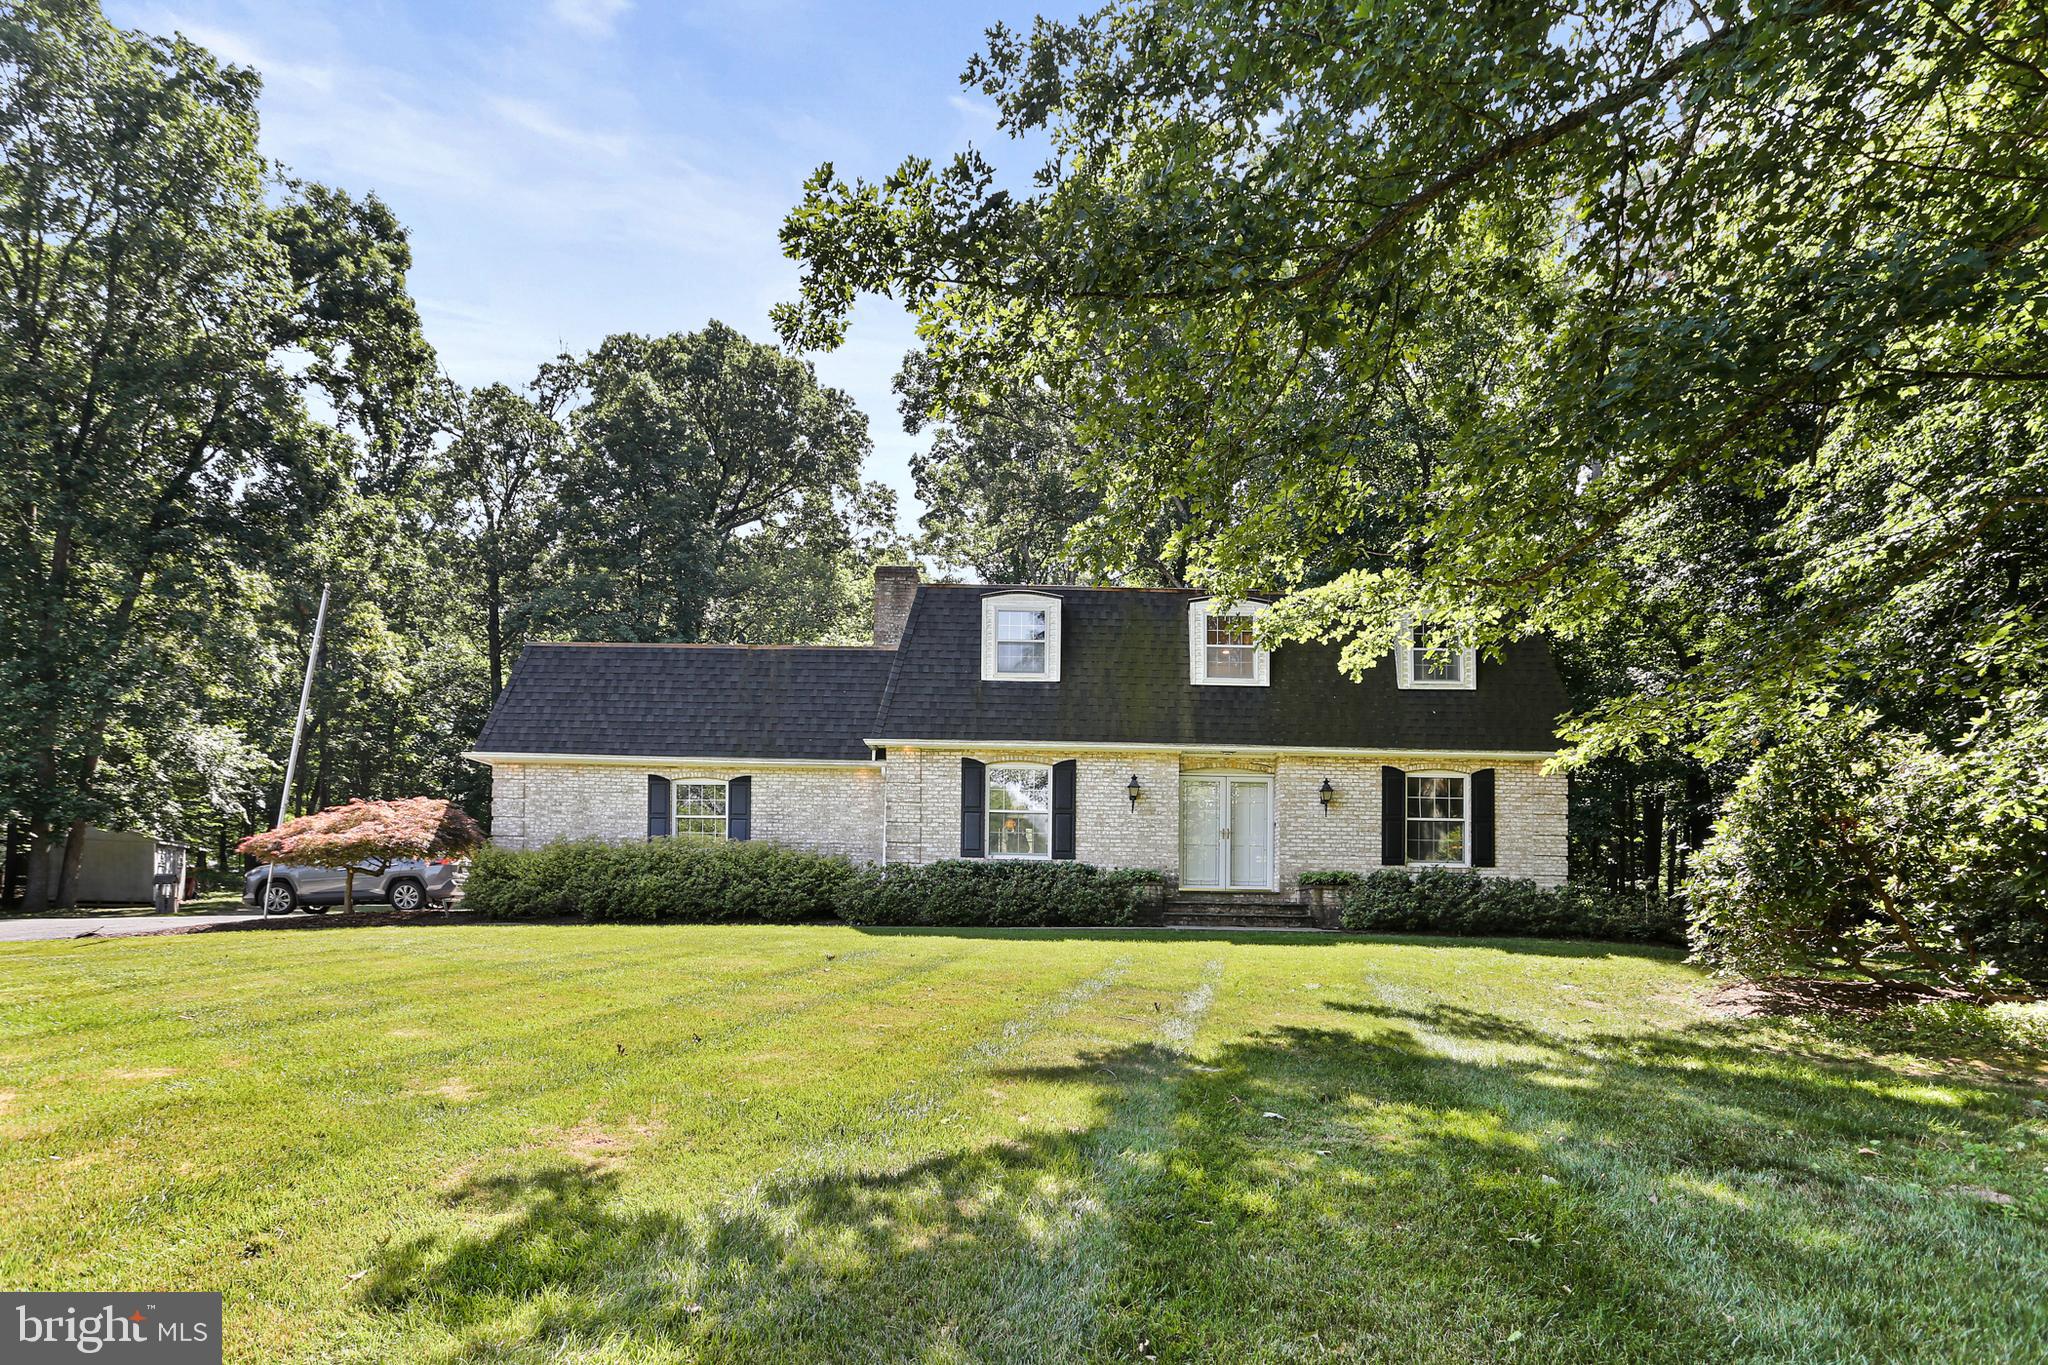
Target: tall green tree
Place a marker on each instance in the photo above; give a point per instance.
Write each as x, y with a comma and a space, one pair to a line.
1718, 326
1002, 488
685, 447
166, 301
502, 471
998, 479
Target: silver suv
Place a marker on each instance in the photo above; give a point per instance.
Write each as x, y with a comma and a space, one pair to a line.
404, 886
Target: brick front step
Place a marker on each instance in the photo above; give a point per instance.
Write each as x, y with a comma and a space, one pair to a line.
1235, 914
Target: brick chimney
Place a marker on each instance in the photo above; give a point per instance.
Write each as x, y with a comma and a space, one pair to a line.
895, 586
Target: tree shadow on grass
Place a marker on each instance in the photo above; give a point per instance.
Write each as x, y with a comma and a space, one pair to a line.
1395, 1192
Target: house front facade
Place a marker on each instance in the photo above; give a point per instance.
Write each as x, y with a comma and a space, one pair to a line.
1120, 727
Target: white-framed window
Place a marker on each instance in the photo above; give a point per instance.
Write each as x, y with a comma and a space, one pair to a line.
1222, 644
699, 808
1423, 664
1019, 810
1020, 637
1020, 640
1438, 813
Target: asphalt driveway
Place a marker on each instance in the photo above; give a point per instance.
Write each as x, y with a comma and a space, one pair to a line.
108, 926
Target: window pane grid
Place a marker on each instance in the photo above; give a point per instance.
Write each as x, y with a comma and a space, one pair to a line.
1020, 641
1019, 658
1229, 645
700, 809
1437, 665
1019, 812
1436, 820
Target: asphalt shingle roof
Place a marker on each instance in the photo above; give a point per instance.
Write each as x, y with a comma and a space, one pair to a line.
1123, 679
689, 701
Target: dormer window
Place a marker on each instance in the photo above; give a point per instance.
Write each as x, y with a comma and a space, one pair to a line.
1020, 637
1230, 648
1423, 663
1223, 646
1437, 665
1020, 642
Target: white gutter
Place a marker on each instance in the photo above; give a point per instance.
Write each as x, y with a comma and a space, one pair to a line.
1309, 750
667, 760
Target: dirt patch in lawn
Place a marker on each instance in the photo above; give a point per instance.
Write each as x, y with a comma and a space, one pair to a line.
1792, 997
597, 1146
455, 1090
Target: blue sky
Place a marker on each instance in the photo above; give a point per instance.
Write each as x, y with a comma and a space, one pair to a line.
573, 168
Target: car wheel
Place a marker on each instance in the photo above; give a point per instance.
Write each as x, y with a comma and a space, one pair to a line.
407, 895
280, 899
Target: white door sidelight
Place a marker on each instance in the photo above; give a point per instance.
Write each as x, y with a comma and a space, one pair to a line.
1226, 833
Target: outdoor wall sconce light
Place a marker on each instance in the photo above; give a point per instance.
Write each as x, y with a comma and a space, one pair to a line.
1327, 795
1134, 791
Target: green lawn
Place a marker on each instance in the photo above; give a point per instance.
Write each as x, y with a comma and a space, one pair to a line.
621, 1144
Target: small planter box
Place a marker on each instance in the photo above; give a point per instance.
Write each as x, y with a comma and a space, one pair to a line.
1324, 905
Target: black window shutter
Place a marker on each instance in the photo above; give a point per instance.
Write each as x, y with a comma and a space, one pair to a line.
973, 819
657, 807
1481, 783
1393, 817
1063, 809
739, 808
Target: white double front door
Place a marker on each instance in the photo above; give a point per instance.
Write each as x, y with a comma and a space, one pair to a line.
1226, 832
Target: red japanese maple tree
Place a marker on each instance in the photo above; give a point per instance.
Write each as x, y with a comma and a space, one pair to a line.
369, 836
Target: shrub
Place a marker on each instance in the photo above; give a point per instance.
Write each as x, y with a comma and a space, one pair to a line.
996, 894
1441, 901
1329, 877
710, 882
673, 880
1846, 846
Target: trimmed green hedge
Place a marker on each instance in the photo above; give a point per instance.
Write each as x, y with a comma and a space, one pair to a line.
997, 894
697, 881
710, 882
1437, 901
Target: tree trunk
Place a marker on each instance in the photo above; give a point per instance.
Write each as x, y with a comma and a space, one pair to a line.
8, 881
1653, 841
35, 890
348, 891
494, 632
1699, 810
74, 860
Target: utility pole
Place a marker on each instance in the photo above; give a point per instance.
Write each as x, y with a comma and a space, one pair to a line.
291, 764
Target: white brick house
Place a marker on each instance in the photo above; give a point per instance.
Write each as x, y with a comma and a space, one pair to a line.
1120, 727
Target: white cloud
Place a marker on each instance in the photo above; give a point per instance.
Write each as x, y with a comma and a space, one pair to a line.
595, 17
551, 199
538, 118
974, 110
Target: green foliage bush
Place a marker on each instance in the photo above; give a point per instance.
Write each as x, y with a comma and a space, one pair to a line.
695, 881
710, 882
1440, 901
973, 891
1847, 846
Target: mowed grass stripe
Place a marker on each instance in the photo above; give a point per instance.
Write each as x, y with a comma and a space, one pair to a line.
998, 1146
386, 1113
978, 1222
660, 1263
1700, 1139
